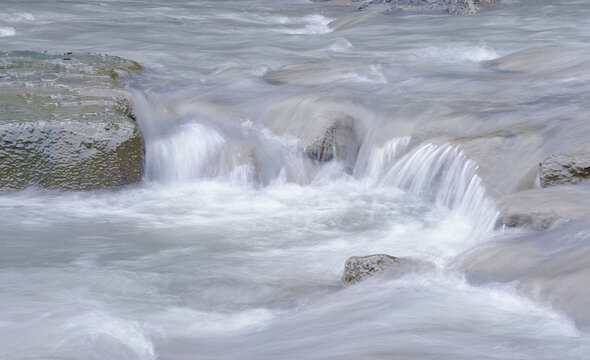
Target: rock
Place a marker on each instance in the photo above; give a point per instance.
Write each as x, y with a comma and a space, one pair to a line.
515, 152
334, 142
465, 7
540, 209
564, 169
240, 161
65, 122
359, 268
326, 72
323, 129
459, 7
551, 266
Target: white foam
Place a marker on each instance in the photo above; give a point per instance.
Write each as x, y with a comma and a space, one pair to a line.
312, 24
441, 172
182, 154
6, 31
458, 53
98, 331
341, 45
186, 321
17, 17
371, 75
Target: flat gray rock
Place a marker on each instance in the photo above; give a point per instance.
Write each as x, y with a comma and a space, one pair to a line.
65, 122
542, 208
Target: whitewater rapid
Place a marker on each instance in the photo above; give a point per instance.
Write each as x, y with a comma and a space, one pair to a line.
234, 243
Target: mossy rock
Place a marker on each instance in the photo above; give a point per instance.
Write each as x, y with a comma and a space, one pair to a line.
564, 169
359, 268
66, 123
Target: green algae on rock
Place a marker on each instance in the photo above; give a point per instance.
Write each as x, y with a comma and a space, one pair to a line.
564, 169
65, 122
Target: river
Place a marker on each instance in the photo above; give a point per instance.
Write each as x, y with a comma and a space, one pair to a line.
210, 257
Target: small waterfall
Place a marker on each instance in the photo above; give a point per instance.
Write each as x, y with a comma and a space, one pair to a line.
183, 154
188, 147
441, 172
377, 161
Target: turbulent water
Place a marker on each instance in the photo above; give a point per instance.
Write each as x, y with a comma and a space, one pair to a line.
233, 245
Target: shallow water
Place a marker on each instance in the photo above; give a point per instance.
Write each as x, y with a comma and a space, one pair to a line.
215, 257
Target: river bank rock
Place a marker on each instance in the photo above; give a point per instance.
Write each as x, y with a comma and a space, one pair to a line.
359, 268
66, 123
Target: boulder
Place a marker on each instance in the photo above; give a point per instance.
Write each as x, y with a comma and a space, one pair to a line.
240, 161
507, 160
65, 122
359, 268
540, 209
323, 129
564, 169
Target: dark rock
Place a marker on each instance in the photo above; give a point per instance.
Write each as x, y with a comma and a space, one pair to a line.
564, 169
323, 129
67, 124
459, 7
359, 268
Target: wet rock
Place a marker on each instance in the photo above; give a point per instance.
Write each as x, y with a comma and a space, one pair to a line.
326, 72
551, 266
322, 129
507, 160
359, 268
540, 209
65, 122
333, 143
564, 169
459, 7
242, 163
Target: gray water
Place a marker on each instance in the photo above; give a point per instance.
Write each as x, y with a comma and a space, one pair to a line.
213, 258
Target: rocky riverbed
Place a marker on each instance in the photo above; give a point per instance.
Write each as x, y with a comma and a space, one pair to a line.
309, 179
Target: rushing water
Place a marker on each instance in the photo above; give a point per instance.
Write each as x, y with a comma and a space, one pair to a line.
214, 257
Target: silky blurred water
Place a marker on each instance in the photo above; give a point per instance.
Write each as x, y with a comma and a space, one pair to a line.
213, 257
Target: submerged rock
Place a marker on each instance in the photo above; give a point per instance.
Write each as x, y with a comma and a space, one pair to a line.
540, 209
324, 130
512, 151
359, 268
550, 266
65, 122
564, 169
243, 165
326, 72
